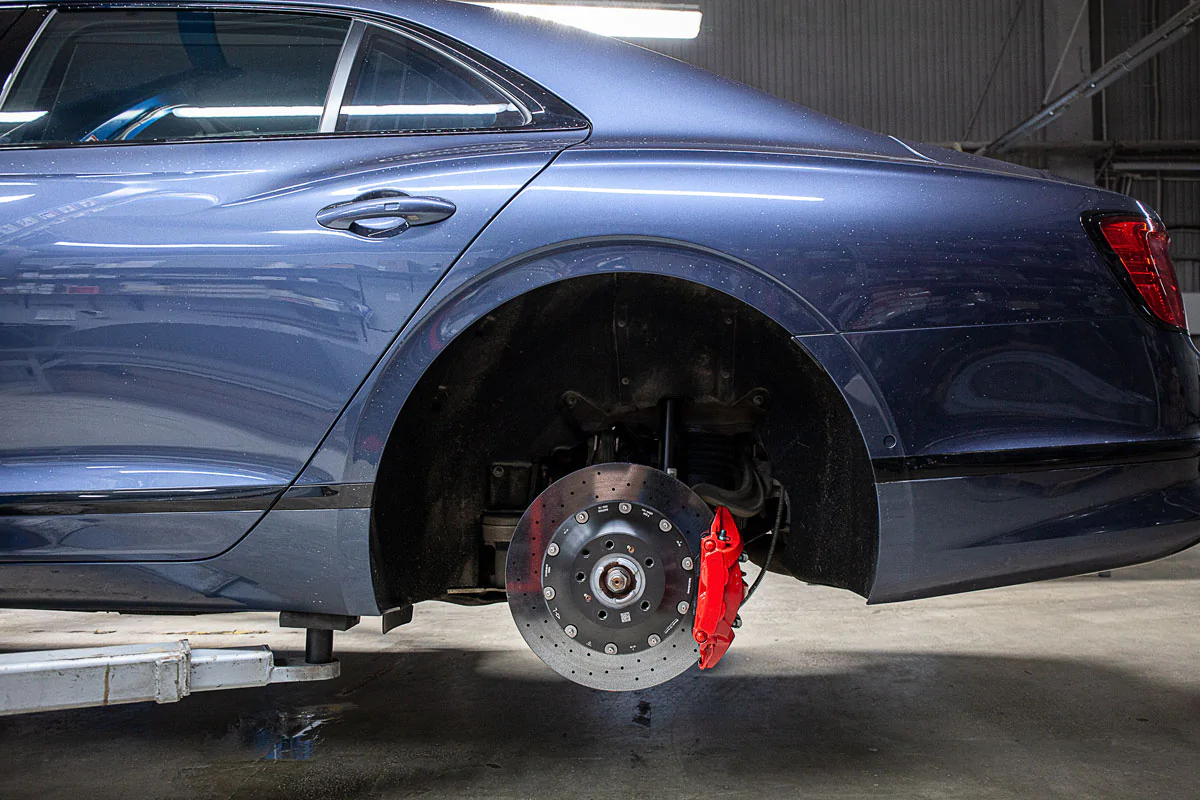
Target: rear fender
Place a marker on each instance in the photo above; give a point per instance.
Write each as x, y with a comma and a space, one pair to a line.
352, 452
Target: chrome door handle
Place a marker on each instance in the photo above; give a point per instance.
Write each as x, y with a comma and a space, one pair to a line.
380, 215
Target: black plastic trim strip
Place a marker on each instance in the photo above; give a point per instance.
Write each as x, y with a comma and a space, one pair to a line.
324, 496
187, 501
1034, 459
139, 501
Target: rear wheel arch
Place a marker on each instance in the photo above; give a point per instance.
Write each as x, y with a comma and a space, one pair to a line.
498, 360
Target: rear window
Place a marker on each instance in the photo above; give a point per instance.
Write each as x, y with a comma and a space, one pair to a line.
398, 85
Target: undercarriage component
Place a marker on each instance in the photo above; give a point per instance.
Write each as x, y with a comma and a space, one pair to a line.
601, 576
749, 498
669, 440
319, 628
510, 490
721, 589
497, 529
395, 617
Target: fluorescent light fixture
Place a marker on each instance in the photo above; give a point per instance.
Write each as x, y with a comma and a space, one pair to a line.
17, 117
403, 109
621, 21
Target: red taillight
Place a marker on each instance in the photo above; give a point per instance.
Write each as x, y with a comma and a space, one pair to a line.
1142, 246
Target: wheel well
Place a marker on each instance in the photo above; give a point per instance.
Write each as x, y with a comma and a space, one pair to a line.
624, 342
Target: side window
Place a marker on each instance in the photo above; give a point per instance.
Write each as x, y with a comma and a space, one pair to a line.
99, 76
400, 85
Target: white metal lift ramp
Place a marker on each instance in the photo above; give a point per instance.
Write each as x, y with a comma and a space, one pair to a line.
165, 673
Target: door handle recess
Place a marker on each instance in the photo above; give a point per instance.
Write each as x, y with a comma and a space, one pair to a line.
380, 215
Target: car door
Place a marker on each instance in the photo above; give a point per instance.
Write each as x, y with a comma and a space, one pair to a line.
212, 224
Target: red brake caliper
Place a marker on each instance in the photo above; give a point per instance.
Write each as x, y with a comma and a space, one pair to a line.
721, 589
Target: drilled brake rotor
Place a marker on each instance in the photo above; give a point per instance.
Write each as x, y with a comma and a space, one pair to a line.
601, 576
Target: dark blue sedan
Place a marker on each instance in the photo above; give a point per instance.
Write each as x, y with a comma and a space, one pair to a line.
334, 308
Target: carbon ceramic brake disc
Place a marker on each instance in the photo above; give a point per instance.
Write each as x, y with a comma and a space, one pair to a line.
601, 576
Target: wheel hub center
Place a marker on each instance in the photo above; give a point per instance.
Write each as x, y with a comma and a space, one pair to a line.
618, 581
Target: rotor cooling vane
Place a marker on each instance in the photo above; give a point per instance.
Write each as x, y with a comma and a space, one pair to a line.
602, 573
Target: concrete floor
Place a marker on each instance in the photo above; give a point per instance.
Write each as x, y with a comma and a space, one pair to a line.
1081, 688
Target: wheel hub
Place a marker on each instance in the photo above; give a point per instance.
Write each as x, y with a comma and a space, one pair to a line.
614, 577
601, 576
618, 581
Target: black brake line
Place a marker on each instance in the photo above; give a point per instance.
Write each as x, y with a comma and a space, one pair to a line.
783, 499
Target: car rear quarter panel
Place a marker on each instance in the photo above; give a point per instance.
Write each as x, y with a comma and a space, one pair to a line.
930, 294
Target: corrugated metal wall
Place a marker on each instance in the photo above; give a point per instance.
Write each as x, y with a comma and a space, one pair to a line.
923, 69
1158, 100
912, 69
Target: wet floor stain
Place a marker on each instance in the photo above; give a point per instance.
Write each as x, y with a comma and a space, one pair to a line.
286, 734
642, 714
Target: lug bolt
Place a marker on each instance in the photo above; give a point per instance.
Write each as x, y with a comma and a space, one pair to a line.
737, 622
581, 517
624, 508
548, 593
571, 631
498, 471
664, 525
687, 563
683, 606
653, 639
743, 558
552, 550
610, 649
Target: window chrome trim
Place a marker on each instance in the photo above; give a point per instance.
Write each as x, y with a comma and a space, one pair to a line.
16, 70
341, 76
